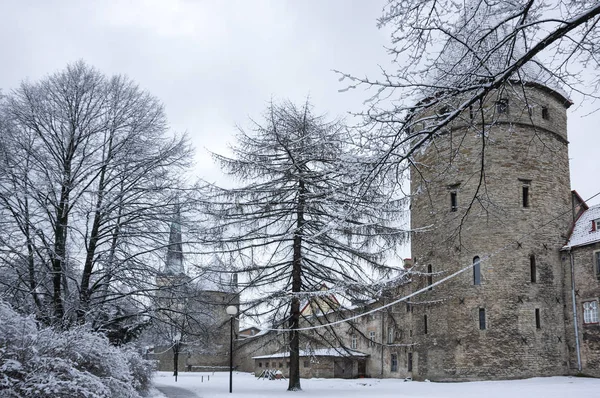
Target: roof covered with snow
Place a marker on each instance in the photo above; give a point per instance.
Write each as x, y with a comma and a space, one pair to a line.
320, 352
587, 228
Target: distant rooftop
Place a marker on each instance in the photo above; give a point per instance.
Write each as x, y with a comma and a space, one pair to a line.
587, 228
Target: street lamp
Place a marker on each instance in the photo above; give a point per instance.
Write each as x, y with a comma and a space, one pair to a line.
231, 311
176, 347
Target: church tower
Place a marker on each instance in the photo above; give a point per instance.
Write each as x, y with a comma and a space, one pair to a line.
174, 261
491, 195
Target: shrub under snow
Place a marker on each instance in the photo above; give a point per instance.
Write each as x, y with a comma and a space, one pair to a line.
76, 363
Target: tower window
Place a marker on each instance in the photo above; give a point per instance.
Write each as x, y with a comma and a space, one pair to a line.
482, 319
525, 194
590, 312
394, 363
409, 364
430, 276
353, 342
476, 271
532, 268
453, 201
545, 113
424, 324
444, 111
538, 324
502, 105
390, 335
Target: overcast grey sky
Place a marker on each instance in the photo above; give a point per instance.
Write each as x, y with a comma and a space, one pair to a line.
216, 63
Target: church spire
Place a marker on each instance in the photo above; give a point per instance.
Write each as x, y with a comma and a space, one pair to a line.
174, 263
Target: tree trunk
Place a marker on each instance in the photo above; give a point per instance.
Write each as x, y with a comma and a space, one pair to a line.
84, 289
58, 256
294, 380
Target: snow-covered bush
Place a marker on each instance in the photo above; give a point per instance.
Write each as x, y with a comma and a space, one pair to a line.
73, 363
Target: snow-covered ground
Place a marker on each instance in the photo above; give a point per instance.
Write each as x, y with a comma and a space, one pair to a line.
246, 385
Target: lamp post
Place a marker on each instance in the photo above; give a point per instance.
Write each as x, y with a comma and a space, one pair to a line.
176, 347
231, 311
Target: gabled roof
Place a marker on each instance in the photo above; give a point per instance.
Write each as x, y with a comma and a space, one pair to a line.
584, 232
319, 352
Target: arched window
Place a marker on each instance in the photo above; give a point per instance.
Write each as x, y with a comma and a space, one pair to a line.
476, 271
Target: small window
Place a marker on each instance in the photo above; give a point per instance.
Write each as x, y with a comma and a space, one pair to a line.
476, 271
502, 105
371, 339
597, 263
394, 363
595, 225
353, 342
482, 319
545, 113
538, 323
390, 335
280, 365
260, 364
306, 364
532, 268
443, 111
410, 333
525, 194
425, 324
471, 112
590, 312
453, 201
407, 306
266, 364
409, 364
429, 276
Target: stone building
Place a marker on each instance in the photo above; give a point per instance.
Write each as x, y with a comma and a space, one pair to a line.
320, 362
504, 223
581, 262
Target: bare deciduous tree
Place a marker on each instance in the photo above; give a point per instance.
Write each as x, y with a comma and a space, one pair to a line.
452, 56
87, 182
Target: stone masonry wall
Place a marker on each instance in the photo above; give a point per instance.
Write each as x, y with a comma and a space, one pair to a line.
587, 288
516, 149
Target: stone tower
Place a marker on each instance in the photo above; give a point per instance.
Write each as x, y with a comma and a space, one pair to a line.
504, 317
491, 194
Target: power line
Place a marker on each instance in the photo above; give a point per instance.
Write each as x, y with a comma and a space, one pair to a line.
426, 288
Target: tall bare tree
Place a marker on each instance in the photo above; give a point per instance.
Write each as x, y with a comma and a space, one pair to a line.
88, 176
452, 56
302, 216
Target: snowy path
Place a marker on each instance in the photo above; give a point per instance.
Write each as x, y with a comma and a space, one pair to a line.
176, 392
246, 385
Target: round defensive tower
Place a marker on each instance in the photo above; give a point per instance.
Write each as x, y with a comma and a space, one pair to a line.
492, 191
